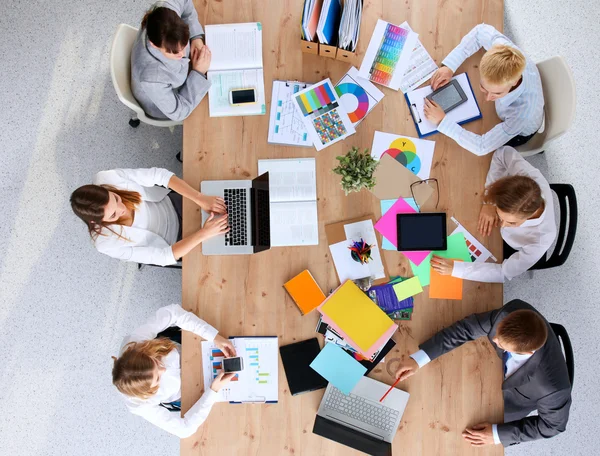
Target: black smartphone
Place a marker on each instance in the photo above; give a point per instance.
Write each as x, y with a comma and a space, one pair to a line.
233, 364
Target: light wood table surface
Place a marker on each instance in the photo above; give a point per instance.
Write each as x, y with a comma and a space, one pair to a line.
243, 295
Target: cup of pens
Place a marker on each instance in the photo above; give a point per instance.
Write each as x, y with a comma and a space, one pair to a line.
360, 251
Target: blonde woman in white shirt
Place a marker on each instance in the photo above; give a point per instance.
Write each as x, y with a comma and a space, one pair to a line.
148, 372
519, 199
135, 215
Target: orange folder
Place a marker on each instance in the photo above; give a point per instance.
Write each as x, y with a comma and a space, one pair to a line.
445, 286
305, 292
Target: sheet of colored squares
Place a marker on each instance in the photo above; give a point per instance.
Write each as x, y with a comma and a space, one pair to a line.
388, 54
473, 251
316, 100
216, 358
329, 127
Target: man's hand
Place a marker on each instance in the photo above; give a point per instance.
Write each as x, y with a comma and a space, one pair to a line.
221, 380
225, 345
197, 44
479, 435
200, 58
406, 369
433, 112
488, 219
443, 266
441, 77
211, 203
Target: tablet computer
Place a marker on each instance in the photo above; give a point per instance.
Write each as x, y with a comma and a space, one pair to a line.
449, 96
421, 231
296, 359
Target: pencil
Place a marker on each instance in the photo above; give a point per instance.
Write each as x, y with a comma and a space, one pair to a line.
388, 391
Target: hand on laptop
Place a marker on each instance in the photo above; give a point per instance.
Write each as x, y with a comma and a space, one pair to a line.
479, 435
441, 265
407, 369
211, 203
433, 112
215, 226
441, 77
225, 345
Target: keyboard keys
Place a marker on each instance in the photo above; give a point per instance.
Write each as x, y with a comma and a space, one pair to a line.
359, 408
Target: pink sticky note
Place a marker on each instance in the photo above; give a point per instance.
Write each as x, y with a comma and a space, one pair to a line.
387, 226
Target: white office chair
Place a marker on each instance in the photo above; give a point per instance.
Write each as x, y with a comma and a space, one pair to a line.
120, 72
559, 104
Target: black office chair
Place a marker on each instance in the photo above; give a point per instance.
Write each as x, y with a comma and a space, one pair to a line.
567, 202
173, 333
169, 266
563, 337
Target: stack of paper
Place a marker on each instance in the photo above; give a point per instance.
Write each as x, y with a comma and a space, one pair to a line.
350, 25
310, 18
329, 22
357, 319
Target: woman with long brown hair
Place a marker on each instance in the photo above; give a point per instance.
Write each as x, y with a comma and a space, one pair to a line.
135, 215
519, 199
148, 372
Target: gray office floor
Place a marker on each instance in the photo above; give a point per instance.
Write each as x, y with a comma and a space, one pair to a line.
64, 307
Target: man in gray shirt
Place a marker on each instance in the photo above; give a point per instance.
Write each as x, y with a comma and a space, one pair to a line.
161, 81
535, 372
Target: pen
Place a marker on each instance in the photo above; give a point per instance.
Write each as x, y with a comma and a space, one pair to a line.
388, 391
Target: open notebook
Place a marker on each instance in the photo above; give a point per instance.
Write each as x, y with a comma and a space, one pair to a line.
236, 63
293, 193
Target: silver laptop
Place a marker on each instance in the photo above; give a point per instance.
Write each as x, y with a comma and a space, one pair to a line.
248, 211
359, 420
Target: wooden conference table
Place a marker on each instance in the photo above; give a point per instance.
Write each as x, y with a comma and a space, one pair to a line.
243, 295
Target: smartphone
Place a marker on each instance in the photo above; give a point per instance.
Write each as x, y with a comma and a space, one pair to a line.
233, 364
242, 96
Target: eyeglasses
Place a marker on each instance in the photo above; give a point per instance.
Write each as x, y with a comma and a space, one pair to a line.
417, 191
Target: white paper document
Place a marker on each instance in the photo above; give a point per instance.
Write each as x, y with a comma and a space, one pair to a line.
293, 198
466, 111
236, 63
258, 381
285, 123
420, 68
357, 96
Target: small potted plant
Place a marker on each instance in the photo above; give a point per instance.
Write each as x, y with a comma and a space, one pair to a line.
356, 169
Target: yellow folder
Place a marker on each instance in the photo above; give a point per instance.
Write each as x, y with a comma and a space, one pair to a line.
356, 315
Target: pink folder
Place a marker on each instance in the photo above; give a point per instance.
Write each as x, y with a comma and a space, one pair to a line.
387, 226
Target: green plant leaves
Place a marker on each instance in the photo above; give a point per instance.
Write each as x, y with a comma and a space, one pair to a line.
356, 169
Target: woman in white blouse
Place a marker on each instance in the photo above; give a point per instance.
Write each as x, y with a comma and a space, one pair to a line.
148, 372
519, 199
132, 215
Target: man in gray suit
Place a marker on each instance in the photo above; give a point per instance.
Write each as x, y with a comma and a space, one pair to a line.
170, 39
535, 372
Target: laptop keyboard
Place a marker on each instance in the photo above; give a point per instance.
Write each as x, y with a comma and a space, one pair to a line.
361, 409
235, 201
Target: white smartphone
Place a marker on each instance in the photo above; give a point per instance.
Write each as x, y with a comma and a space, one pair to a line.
242, 96
233, 364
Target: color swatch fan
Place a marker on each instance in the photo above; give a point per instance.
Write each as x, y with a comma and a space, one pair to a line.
357, 96
414, 154
326, 121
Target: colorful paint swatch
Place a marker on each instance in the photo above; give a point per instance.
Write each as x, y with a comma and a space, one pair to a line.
315, 99
329, 127
363, 100
388, 54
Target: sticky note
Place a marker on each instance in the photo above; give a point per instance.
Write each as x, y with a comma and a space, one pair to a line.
408, 288
422, 271
338, 368
457, 248
445, 286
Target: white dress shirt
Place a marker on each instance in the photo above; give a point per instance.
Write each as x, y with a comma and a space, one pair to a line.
531, 240
514, 362
170, 381
159, 218
521, 111
140, 245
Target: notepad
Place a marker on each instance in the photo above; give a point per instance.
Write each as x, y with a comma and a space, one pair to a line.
466, 112
407, 288
293, 201
357, 316
338, 368
236, 63
305, 292
445, 286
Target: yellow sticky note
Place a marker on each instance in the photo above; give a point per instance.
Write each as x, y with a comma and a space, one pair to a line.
356, 315
408, 288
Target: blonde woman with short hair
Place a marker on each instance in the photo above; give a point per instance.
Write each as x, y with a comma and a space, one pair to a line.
507, 78
148, 372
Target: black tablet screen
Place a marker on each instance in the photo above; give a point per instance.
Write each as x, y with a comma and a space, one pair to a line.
426, 231
296, 359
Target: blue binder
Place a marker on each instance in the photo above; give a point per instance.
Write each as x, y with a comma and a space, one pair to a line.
418, 121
